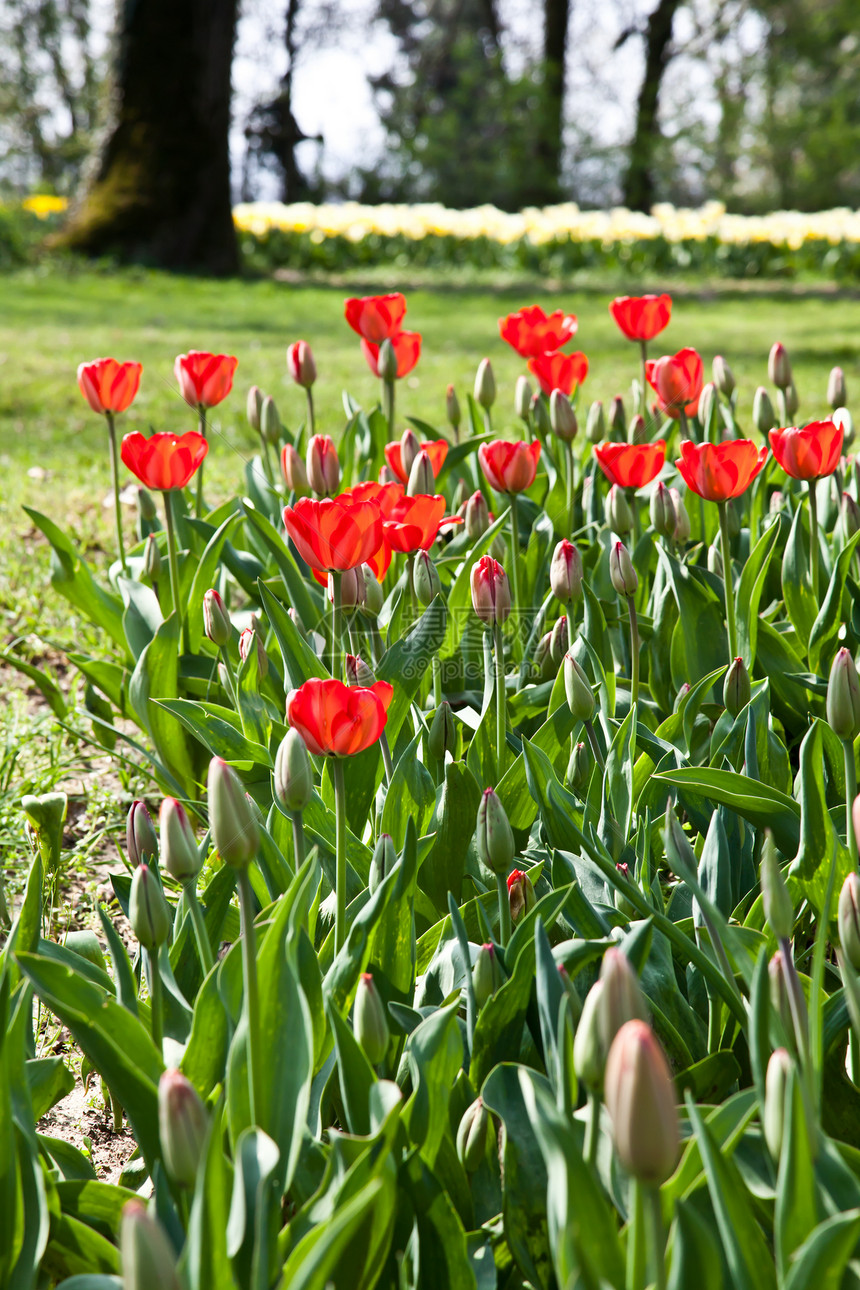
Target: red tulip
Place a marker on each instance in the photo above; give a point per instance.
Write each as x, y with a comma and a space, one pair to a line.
407, 349
559, 371
491, 592
300, 364
204, 379
375, 318
337, 534
437, 451
164, 461
677, 378
109, 386
631, 465
641, 317
386, 496
509, 467
531, 332
414, 522
718, 471
808, 452
337, 720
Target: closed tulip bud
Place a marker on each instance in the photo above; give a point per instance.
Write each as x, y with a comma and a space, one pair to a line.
494, 839
724, 378
778, 366
640, 1099
323, 467
182, 1127
249, 639
622, 998
579, 767
663, 516
216, 620
843, 418
580, 698
231, 820
387, 362
357, 672
369, 1023
477, 516
452, 407
425, 579
491, 593
146, 505
565, 572
708, 408
617, 418
254, 407
152, 563
353, 589
562, 417
180, 855
764, 417
855, 818
410, 446
849, 918
373, 594
485, 384
778, 906
682, 519
558, 642
850, 516
521, 894
487, 974
542, 664
293, 471
589, 1053
442, 736
294, 779
736, 687
595, 425
778, 991
792, 401
843, 697
382, 862
146, 1253
715, 560
421, 477
301, 365
836, 393
638, 432
779, 1069
523, 398
683, 691
619, 517
472, 1136
270, 421
140, 838
147, 909
224, 678
623, 576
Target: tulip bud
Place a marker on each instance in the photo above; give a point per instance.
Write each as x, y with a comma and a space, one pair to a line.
843, 697
558, 642
715, 560
764, 417
231, 820
248, 640
622, 903
386, 364
682, 519
723, 377
410, 446
477, 516
301, 365
579, 767
141, 843
595, 425
373, 594
778, 366
254, 406
152, 563
640, 1099
683, 691
421, 477
293, 471
843, 418
623, 576
736, 687
622, 999
485, 385
472, 1136
494, 839
792, 401
270, 421
778, 906
708, 409
565, 572
358, 672
369, 1023
836, 393
182, 1127
580, 698
589, 1053
639, 432
542, 664
850, 516
617, 418
779, 1070
491, 593
147, 909
521, 894
147, 1256
663, 516
487, 974
562, 417
442, 736
619, 517
452, 407
353, 590
323, 467
146, 505
778, 991
180, 855
294, 779
216, 620
382, 862
849, 918
425, 579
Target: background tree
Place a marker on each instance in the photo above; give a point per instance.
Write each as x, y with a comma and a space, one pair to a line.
639, 181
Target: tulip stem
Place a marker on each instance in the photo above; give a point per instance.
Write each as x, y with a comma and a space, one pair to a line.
310, 394
727, 583
336, 622
515, 551
207, 960
340, 854
595, 746
504, 910
634, 652
174, 567
643, 350
501, 705
488, 421
388, 397
252, 997
231, 676
437, 681
153, 972
410, 579
568, 452
114, 467
850, 794
592, 1127
656, 1236
569, 615
298, 839
201, 426
813, 541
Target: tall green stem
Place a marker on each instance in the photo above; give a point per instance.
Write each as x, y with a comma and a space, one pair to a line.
592, 1127
850, 794
387, 765
656, 1237
569, 616
155, 995
336, 622
813, 541
310, 394
488, 421
568, 452
207, 960
504, 909
501, 704
515, 551
727, 583
298, 839
410, 579
201, 426
231, 675
178, 606
634, 652
114, 469
388, 397
340, 854
636, 1253
252, 995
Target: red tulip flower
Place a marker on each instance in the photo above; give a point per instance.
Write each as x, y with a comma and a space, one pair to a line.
631, 465
414, 522
386, 496
808, 452
204, 379
718, 471
300, 364
641, 317
677, 378
334, 535
437, 451
337, 720
164, 461
109, 386
559, 371
407, 350
531, 332
509, 467
376, 318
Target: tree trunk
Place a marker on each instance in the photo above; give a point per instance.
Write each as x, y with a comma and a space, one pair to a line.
160, 191
639, 180
556, 20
